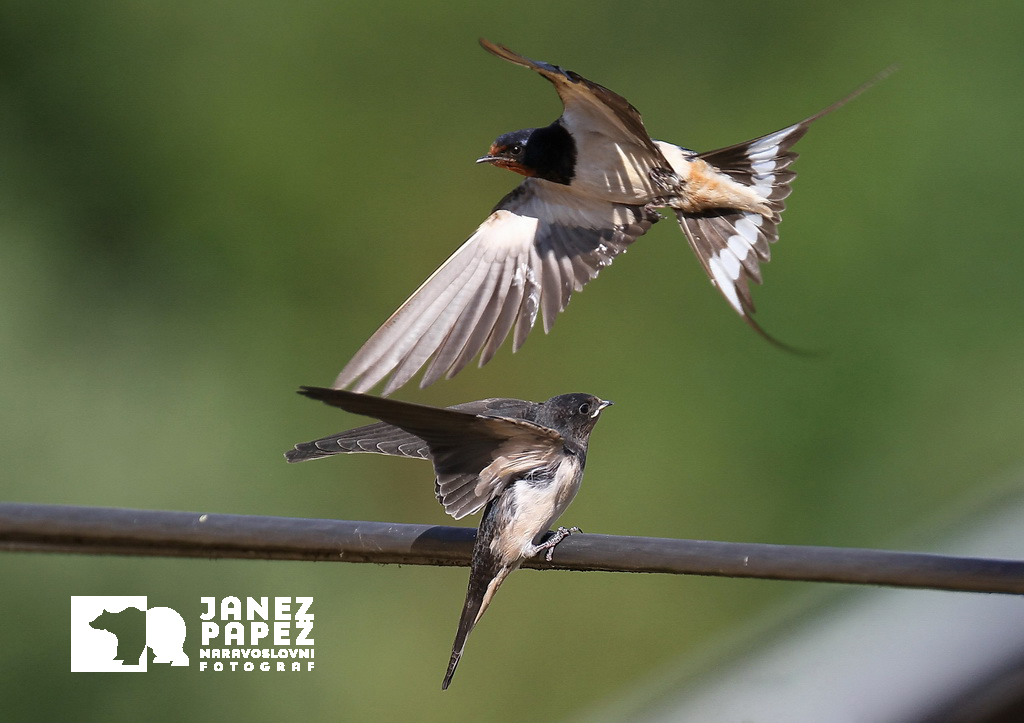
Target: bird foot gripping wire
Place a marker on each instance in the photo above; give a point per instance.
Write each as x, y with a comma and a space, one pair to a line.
560, 534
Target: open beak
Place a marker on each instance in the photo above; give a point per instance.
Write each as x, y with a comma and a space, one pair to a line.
604, 403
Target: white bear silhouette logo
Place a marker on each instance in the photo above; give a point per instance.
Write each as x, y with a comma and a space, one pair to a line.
111, 633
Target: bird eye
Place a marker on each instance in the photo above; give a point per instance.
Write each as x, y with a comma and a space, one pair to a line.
584, 408
515, 150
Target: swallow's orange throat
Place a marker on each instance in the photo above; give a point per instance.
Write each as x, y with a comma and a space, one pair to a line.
497, 158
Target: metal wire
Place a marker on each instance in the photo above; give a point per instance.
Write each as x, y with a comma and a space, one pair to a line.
115, 531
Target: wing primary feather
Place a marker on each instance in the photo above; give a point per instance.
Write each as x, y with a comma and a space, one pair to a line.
531, 301
510, 307
422, 337
488, 319
470, 317
551, 289
378, 438
390, 339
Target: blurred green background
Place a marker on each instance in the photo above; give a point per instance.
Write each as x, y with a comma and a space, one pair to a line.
204, 205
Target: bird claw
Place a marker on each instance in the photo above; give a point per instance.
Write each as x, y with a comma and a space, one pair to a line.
560, 534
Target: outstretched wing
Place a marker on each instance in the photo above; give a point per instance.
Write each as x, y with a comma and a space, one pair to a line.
587, 104
474, 455
373, 439
383, 438
540, 244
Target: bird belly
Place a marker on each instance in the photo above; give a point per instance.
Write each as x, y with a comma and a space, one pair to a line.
704, 187
531, 505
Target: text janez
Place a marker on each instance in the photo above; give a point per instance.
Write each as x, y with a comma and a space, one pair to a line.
240, 635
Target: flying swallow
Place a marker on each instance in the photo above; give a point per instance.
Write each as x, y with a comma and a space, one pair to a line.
593, 181
521, 462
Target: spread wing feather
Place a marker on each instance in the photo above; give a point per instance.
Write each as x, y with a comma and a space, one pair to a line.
475, 447
540, 244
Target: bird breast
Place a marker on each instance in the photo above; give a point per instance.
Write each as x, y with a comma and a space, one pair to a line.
530, 505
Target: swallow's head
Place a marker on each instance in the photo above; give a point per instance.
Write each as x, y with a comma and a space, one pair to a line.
509, 151
548, 153
573, 415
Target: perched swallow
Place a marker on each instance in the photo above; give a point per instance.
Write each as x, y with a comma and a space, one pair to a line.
521, 462
594, 178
